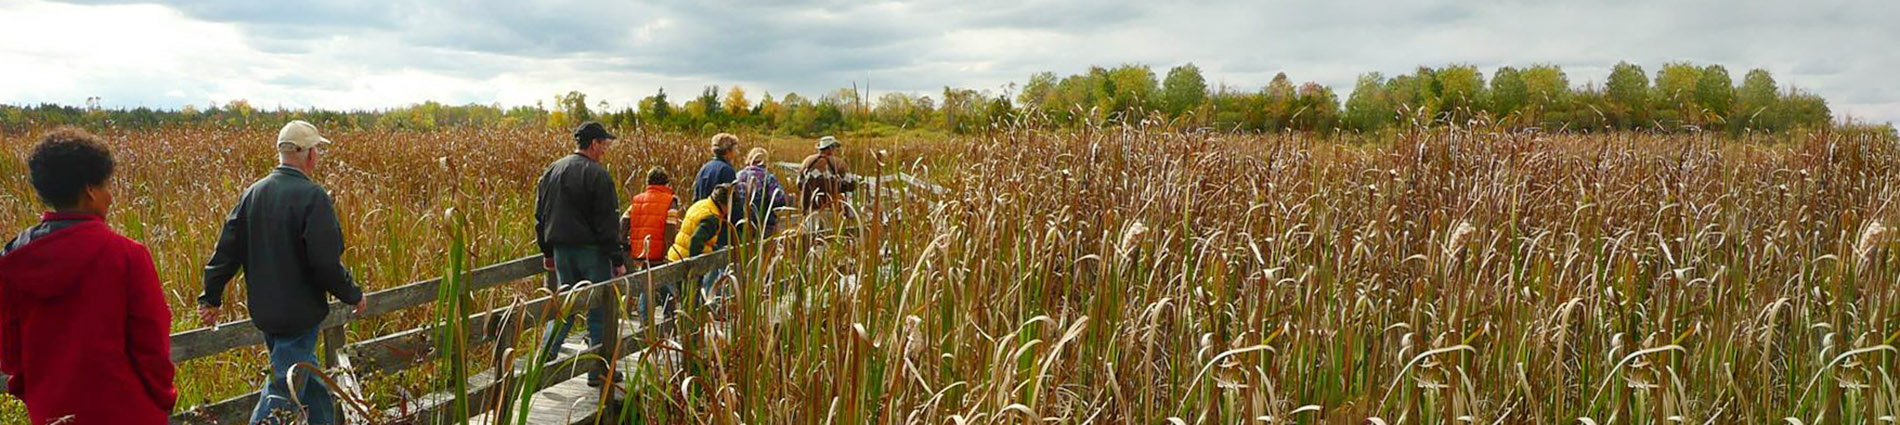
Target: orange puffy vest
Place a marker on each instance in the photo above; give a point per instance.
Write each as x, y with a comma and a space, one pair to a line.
646, 223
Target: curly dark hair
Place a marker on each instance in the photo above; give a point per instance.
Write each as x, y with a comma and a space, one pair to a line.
66, 162
657, 176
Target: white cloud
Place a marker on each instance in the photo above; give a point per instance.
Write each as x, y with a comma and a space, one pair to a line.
371, 54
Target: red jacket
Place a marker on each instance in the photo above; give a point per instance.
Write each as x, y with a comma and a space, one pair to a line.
85, 331
647, 218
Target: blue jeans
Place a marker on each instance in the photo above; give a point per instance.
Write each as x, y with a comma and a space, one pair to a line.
573, 264
287, 351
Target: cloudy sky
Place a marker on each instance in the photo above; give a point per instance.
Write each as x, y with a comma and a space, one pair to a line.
349, 54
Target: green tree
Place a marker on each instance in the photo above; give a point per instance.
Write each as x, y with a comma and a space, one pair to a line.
1508, 93
1317, 109
1715, 92
1279, 101
1675, 94
574, 106
655, 109
1133, 89
1040, 92
1628, 96
1756, 100
1548, 89
1184, 89
1458, 89
1369, 108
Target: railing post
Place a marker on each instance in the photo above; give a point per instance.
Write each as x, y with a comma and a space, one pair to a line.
333, 340
610, 328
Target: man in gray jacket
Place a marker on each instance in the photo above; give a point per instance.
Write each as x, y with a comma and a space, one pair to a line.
284, 235
577, 227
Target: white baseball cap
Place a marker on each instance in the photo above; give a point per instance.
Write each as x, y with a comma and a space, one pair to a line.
299, 135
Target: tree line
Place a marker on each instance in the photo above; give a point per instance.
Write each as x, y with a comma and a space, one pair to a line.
1681, 96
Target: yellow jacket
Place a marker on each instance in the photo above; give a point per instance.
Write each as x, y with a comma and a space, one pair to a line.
701, 214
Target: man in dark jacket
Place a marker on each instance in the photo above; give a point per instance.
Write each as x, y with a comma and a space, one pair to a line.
577, 227
718, 171
85, 335
284, 235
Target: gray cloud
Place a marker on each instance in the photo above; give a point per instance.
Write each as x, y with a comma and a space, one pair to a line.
623, 50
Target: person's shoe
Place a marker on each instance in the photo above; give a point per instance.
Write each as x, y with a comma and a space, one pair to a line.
597, 380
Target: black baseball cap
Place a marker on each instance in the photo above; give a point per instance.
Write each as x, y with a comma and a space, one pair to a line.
592, 131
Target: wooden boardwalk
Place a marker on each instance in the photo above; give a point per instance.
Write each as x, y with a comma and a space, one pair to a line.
563, 398
571, 401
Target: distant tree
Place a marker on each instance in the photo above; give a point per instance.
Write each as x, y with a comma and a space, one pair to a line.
1184, 89
1675, 94
1280, 100
1715, 92
770, 111
1370, 108
574, 105
736, 104
710, 108
1628, 96
1317, 109
656, 110
1755, 101
1508, 93
1458, 88
1133, 89
1548, 89
1040, 92
1803, 110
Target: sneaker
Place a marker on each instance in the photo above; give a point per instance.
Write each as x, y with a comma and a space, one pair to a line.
595, 380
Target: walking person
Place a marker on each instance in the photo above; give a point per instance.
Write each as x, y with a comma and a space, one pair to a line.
719, 170
284, 235
575, 215
760, 193
824, 179
85, 334
652, 217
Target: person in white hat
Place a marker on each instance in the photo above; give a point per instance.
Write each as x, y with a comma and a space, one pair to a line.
285, 237
823, 180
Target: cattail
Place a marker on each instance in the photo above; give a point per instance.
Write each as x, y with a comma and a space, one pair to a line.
914, 335
1457, 237
1870, 238
1131, 237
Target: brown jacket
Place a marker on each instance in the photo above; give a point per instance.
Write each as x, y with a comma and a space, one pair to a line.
823, 181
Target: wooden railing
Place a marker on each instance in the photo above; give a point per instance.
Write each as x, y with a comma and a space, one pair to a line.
409, 348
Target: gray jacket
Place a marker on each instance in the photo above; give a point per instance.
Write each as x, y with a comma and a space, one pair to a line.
284, 235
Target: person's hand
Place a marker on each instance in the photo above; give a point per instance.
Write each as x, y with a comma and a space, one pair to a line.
620, 271
208, 315
547, 263
361, 303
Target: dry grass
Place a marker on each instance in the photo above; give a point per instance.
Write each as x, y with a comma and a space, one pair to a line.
1118, 275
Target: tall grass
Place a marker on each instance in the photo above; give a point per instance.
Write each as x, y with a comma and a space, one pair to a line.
1136, 275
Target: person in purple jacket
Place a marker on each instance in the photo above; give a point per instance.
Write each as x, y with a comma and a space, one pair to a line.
761, 192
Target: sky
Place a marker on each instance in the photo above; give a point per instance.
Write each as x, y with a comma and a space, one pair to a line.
350, 54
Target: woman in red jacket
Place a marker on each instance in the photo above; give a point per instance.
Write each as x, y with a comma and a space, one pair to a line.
85, 333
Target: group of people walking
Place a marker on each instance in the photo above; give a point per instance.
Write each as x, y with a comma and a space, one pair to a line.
85, 327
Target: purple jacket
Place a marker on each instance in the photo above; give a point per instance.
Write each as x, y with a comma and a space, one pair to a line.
762, 193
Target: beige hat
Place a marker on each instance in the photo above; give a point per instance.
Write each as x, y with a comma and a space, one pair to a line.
724, 141
299, 135
828, 142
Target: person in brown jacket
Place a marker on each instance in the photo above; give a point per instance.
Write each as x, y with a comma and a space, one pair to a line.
824, 179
